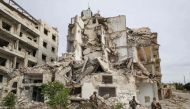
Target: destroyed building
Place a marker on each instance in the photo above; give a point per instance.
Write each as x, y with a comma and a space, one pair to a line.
103, 55
127, 60
24, 41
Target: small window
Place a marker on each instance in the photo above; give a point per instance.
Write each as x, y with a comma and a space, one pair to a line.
54, 37
44, 57
3, 43
1, 78
38, 81
52, 49
52, 60
147, 99
36, 27
94, 21
29, 38
107, 79
14, 85
21, 34
34, 53
17, 65
19, 48
45, 44
6, 26
107, 90
45, 31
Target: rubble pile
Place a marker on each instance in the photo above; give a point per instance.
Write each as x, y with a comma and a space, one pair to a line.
178, 100
103, 55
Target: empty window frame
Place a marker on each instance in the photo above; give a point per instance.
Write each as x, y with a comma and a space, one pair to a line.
45, 44
147, 99
34, 53
45, 31
31, 64
44, 57
3, 43
53, 49
14, 85
17, 65
3, 61
37, 94
21, 34
1, 78
106, 79
52, 60
54, 37
107, 90
6, 26
94, 21
29, 38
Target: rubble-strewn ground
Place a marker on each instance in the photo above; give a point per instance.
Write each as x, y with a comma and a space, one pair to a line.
179, 100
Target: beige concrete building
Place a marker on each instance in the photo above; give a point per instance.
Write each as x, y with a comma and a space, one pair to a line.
24, 41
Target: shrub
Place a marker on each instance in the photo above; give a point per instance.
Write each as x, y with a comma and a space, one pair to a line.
179, 86
56, 94
9, 101
187, 86
119, 106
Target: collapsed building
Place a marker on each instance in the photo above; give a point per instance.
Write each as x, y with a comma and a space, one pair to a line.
103, 55
24, 42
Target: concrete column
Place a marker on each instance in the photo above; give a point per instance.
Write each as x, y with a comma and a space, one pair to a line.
4, 92
17, 44
0, 22
14, 62
19, 84
18, 29
152, 59
135, 54
26, 60
151, 53
7, 65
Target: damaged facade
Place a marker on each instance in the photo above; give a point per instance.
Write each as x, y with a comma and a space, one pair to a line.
127, 60
103, 55
24, 42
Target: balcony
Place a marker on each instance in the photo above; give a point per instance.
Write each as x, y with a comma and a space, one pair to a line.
16, 37
16, 17
11, 52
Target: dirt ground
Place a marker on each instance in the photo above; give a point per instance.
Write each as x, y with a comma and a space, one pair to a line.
179, 100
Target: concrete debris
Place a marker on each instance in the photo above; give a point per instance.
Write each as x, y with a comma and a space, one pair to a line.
178, 100
103, 56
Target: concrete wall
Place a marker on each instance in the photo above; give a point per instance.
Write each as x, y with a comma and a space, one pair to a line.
125, 86
146, 91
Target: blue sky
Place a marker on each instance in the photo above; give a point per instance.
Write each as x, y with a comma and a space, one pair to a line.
170, 18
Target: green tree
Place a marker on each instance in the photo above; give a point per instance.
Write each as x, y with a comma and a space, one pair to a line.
187, 86
9, 101
56, 94
179, 86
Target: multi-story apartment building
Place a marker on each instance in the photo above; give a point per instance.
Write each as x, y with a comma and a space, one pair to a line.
24, 41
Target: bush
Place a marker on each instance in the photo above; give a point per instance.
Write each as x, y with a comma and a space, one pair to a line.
119, 106
56, 94
179, 86
187, 86
9, 101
